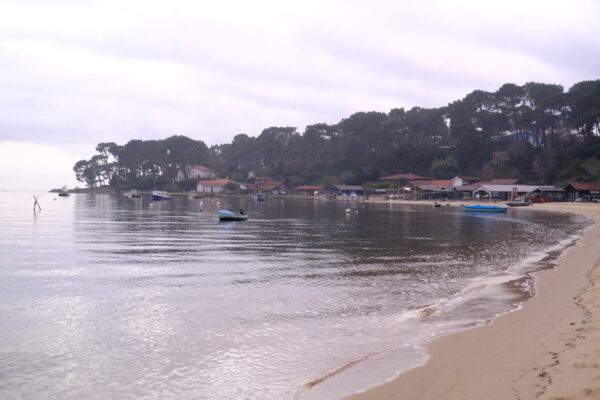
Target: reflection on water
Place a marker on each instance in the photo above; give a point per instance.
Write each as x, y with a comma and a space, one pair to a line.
111, 297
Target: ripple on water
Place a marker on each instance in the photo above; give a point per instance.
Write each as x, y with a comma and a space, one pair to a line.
105, 297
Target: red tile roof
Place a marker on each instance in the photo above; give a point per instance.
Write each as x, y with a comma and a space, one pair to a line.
217, 182
268, 185
585, 185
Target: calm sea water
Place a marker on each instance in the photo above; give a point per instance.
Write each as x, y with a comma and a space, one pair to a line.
110, 297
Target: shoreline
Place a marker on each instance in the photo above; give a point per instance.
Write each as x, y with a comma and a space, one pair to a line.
546, 349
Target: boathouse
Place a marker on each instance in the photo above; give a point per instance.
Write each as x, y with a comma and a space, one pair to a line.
583, 191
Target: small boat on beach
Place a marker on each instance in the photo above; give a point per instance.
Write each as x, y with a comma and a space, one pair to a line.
159, 195
484, 208
226, 215
518, 203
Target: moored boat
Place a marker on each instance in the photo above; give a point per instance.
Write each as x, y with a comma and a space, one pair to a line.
133, 194
159, 195
226, 215
194, 195
64, 194
518, 203
484, 208
260, 196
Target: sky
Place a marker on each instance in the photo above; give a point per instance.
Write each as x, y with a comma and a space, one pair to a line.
75, 73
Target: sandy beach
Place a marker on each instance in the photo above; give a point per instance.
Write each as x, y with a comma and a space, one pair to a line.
549, 349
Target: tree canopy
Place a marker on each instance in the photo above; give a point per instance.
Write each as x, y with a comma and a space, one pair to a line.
536, 132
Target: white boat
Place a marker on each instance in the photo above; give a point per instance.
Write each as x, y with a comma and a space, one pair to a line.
195, 195
133, 194
159, 195
226, 215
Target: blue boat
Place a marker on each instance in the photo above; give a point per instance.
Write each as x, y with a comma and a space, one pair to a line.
159, 195
484, 208
260, 196
226, 215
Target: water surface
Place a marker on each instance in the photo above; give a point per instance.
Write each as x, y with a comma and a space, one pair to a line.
110, 297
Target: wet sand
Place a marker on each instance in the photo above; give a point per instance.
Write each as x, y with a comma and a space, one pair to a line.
549, 349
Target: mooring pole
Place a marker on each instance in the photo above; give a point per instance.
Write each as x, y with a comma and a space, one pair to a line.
36, 203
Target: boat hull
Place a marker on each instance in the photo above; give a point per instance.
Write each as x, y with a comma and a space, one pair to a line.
488, 209
233, 218
226, 215
160, 196
517, 204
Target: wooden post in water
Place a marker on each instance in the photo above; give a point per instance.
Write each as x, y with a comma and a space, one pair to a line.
36, 203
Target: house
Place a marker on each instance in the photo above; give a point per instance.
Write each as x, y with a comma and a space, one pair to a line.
502, 192
544, 194
347, 189
586, 191
440, 188
459, 181
509, 136
196, 172
265, 184
307, 190
213, 186
402, 178
471, 184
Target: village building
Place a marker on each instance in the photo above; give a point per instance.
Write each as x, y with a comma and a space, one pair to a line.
460, 181
544, 194
503, 192
265, 184
437, 189
583, 191
307, 190
470, 186
196, 172
347, 189
213, 186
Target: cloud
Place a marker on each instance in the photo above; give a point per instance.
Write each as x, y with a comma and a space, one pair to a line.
78, 73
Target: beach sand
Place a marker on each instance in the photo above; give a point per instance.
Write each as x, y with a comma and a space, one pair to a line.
549, 349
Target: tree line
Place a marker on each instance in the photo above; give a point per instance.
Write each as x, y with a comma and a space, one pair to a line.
537, 132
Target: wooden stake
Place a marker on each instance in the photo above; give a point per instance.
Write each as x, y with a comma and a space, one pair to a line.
36, 203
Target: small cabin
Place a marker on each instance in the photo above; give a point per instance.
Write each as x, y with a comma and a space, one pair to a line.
583, 191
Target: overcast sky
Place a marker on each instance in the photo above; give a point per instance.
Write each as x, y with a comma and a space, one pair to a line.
76, 73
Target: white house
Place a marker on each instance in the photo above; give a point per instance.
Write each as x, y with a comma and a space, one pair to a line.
197, 172
213, 186
503, 192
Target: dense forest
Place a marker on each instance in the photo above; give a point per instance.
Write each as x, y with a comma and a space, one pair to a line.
537, 132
